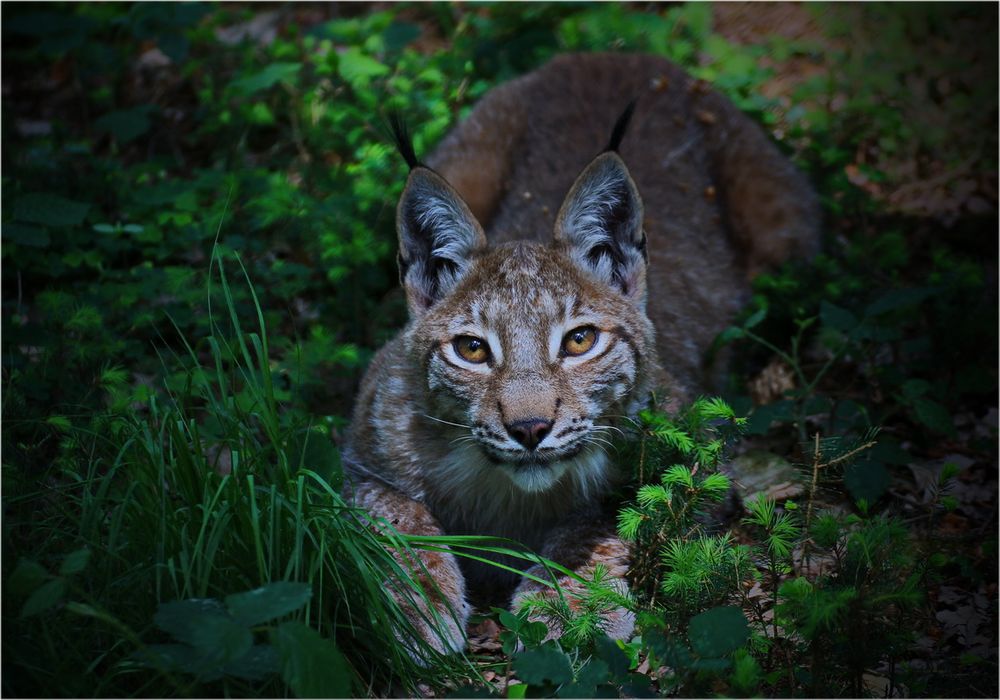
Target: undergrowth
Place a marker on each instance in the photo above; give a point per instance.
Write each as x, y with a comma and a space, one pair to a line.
205, 517
161, 463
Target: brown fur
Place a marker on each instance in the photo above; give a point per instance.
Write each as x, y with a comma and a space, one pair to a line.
433, 445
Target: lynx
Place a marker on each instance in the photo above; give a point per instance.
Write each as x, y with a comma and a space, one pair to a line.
548, 297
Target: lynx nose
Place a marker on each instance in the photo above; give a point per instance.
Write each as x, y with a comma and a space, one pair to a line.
529, 432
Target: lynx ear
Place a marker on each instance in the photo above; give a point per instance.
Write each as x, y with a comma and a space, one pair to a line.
437, 237
600, 222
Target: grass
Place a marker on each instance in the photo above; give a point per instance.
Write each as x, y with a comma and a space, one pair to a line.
169, 509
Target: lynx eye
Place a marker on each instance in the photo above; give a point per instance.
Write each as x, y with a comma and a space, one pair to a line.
579, 341
471, 349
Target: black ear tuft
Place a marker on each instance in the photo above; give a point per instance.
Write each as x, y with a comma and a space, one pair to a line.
401, 137
618, 133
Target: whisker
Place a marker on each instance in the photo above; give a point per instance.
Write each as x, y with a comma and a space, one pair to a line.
594, 440
628, 419
590, 441
447, 422
604, 435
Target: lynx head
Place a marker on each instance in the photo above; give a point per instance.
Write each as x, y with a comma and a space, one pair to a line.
528, 353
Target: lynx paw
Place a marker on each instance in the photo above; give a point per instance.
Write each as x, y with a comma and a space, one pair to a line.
442, 629
439, 615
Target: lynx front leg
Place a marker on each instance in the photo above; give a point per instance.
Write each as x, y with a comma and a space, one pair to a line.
440, 615
581, 545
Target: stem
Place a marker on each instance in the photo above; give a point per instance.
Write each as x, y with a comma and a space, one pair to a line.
812, 492
774, 597
642, 460
777, 351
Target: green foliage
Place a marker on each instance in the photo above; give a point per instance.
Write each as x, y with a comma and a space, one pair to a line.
582, 620
154, 452
672, 501
212, 489
519, 630
861, 608
597, 668
829, 620
719, 631
214, 640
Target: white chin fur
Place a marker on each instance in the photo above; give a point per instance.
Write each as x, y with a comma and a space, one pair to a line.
536, 479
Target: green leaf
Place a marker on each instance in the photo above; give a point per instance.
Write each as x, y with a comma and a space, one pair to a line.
594, 673
23, 234
730, 334
616, 660
712, 665
273, 74
899, 299
518, 691
933, 415
261, 115
171, 657
508, 619
357, 68
26, 578
268, 602
668, 651
221, 638
755, 318
49, 210
837, 318
866, 480
125, 125
399, 34
718, 631
259, 662
547, 663
915, 388
312, 665
759, 421
45, 597
889, 451
182, 617
74, 562
61, 423
636, 686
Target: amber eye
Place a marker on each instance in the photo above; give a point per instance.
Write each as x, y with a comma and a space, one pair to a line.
471, 348
579, 341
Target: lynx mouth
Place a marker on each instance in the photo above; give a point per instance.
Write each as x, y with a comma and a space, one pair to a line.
538, 459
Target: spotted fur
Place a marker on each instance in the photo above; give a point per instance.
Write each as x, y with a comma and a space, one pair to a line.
516, 446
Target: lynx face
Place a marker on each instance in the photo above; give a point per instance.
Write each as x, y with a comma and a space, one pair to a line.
536, 359
531, 353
